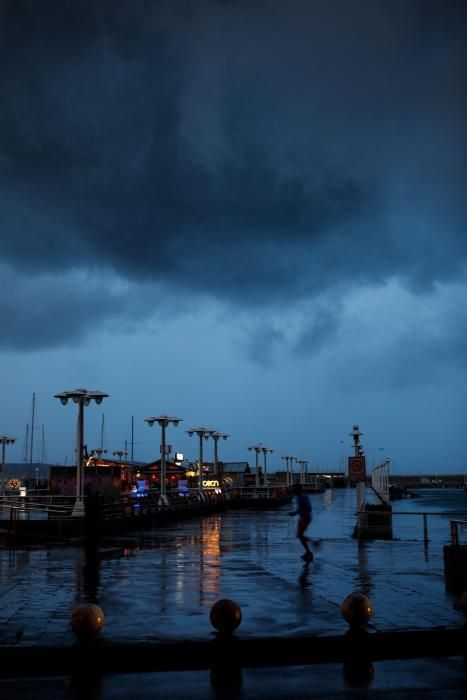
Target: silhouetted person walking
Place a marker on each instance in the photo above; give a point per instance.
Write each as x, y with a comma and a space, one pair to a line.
304, 511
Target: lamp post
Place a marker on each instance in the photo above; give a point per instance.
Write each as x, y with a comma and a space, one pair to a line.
256, 449
286, 459
303, 468
216, 436
265, 450
164, 422
98, 452
356, 439
289, 462
4, 441
120, 454
83, 398
205, 433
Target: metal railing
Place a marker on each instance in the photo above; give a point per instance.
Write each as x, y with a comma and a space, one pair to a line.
421, 526
454, 529
51, 507
380, 480
24, 508
255, 492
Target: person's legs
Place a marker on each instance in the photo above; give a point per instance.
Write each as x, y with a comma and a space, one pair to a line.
301, 527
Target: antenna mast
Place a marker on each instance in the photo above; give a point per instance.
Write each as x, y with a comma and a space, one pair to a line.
32, 425
43, 444
26, 444
102, 435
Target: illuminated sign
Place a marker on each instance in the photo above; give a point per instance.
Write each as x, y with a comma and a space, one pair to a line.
212, 483
178, 457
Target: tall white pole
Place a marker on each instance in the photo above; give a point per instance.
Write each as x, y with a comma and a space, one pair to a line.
162, 474
201, 460
3, 469
78, 509
215, 438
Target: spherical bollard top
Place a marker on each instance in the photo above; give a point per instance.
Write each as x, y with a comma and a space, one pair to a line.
357, 609
226, 616
87, 620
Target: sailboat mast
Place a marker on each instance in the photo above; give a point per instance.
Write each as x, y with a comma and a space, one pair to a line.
27, 444
102, 435
32, 425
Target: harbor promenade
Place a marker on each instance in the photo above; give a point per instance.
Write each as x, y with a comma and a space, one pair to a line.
160, 584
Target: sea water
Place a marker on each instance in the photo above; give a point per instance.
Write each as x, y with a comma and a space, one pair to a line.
440, 506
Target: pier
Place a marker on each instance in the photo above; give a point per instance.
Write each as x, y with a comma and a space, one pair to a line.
157, 586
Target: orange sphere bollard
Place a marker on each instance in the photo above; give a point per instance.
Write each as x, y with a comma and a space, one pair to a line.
356, 609
87, 620
226, 615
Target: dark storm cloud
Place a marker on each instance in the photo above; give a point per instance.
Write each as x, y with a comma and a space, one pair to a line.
56, 311
259, 152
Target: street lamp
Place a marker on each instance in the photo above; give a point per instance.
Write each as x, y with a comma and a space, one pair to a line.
356, 439
288, 458
98, 452
205, 433
257, 449
303, 468
120, 454
265, 450
83, 398
4, 441
164, 422
216, 436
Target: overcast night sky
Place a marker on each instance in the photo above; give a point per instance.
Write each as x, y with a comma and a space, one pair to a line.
250, 214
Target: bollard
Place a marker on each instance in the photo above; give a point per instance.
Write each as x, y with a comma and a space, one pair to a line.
358, 668
357, 609
226, 616
86, 621
455, 560
226, 673
462, 602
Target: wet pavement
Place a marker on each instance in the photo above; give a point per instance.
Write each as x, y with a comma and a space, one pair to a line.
160, 584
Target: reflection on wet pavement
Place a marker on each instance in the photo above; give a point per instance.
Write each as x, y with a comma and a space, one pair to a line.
161, 583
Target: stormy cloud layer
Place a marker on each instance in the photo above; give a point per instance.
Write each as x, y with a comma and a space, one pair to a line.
267, 155
249, 213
